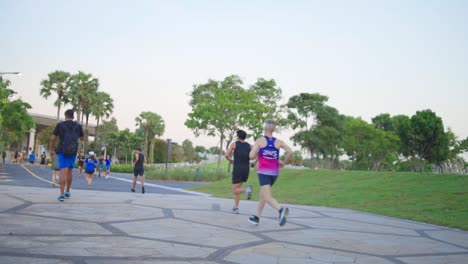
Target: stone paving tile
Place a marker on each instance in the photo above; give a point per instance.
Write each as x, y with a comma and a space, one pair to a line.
7, 202
23, 260
100, 246
451, 236
182, 231
33, 225
230, 220
147, 262
382, 220
339, 224
286, 253
378, 244
454, 259
95, 213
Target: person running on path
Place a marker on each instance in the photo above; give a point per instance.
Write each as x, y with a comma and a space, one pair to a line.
3, 156
90, 166
241, 168
32, 158
68, 133
101, 165
108, 166
81, 159
43, 160
55, 171
267, 151
139, 170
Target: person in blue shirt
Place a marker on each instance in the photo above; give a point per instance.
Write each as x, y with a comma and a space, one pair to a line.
90, 166
108, 166
32, 158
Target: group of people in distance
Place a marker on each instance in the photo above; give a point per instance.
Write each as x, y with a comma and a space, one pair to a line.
265, 152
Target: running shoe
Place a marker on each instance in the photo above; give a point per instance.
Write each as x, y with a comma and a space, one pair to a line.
248, 192
61, 198
235, 210
142, 189
133, 190
283, 213
254, 220
107, 177
67, 195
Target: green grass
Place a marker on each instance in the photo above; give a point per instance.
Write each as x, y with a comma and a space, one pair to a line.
431, 198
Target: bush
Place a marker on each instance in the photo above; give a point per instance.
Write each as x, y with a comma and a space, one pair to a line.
186, 173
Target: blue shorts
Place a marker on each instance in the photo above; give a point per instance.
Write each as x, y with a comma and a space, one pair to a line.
264, 179
108, 167
66, 161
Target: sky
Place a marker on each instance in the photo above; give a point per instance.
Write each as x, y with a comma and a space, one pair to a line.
368, 57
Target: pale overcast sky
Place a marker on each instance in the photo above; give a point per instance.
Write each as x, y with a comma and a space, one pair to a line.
369, 57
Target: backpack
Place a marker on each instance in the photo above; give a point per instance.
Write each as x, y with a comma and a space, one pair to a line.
69, 143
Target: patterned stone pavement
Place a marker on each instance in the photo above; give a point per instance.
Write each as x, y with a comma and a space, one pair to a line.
109, 227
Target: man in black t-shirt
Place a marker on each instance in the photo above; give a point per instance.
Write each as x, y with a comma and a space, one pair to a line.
68, 133
139, 170
81, 159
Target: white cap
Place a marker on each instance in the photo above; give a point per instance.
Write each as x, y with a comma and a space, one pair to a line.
91, 153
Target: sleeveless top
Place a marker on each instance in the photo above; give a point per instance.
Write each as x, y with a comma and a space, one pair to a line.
268, 158
139, 163
241, 154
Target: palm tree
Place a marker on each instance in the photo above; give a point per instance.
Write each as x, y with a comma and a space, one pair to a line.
153, 125
57, 83
103, 106
83, 90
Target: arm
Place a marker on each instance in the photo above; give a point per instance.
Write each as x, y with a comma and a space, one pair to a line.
254, 151
136, 159
81, 133
288, 154
229, 152
53, 139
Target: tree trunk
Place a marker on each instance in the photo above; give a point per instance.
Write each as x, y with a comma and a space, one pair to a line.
219, 154
96, 130
146, 142
151, 150
58, 113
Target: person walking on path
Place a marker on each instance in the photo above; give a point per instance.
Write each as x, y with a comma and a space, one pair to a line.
139, 170
241, 168
3, 156
68, 133
267, 151
55, 171
81, 159
101, 165
32, 158
43, 160
108, 166
91, 162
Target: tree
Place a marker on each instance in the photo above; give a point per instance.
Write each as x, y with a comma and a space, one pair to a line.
153, 125
124, 142
83, 89
107, 128
200, 149
428, 138
189, 151
102, 106
219, 108
383, 122
266, 95
58, 83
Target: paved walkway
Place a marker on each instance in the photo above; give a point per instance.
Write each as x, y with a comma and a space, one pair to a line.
116, 227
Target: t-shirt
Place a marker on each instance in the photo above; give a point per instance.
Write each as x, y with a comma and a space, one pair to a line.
108, 162
32, 157
90, 164
81, 158
43, 157
61, 131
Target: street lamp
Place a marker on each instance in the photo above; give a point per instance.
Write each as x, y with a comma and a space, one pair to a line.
4, 73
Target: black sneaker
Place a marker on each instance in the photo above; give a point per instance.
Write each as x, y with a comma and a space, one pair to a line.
254, 220
283, 213
142, 189
133, 190
235, 210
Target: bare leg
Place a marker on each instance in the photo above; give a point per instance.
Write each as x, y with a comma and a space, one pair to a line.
265, 195
69, 179
142, 181
237, 190
63, 179
134, 182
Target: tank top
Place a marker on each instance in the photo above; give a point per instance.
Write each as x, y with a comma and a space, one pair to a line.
268, 158
241, 154
139, 163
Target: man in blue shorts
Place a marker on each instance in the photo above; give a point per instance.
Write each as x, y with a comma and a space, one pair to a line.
68, 133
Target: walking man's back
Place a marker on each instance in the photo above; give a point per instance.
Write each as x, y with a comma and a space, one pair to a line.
68, 133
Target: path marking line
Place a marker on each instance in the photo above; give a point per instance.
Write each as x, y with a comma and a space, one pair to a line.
164, 187
34, 175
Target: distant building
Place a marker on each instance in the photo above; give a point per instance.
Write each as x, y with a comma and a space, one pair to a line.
30, 141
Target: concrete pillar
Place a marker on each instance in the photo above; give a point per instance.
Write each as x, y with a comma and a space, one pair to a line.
32, 140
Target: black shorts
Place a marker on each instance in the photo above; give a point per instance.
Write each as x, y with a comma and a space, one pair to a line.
138, 171
264, 179
89, 172
80, 163
240, 174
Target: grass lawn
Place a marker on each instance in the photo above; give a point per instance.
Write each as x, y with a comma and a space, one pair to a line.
425, 197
